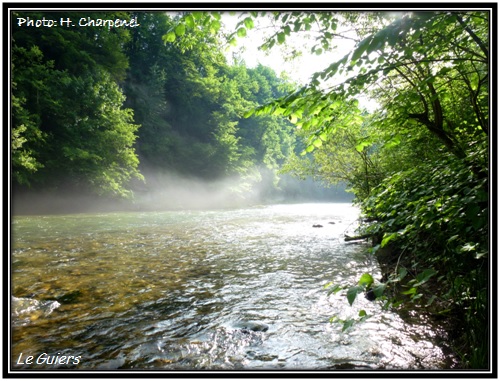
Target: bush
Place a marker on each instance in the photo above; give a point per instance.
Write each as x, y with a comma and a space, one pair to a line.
435, 218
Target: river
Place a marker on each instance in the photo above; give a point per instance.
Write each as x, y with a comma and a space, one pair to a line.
232, 289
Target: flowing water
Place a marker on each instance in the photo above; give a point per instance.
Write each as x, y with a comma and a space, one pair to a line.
239, 289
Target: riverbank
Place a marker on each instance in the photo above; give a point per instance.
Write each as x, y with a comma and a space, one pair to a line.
441, 316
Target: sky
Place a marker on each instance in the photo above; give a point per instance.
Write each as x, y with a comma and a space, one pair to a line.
299, 69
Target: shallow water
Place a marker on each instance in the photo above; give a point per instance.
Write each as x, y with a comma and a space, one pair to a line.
177, 290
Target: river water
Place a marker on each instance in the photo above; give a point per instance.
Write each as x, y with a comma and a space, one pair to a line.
239, 289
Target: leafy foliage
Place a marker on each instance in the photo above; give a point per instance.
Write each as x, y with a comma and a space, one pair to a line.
435, 217
69, 127
190, 102
73, 127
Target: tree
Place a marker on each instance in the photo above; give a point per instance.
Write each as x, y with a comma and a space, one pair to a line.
69, 126
413, 83
190, 103
25, 127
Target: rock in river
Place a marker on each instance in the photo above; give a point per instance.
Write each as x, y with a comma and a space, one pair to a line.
247, 326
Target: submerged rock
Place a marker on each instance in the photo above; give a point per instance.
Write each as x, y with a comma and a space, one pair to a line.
69, 297
249, 326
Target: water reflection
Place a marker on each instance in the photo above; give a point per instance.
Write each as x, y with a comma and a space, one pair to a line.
165, 290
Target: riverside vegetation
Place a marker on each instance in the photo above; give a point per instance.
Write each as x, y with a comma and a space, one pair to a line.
101, 110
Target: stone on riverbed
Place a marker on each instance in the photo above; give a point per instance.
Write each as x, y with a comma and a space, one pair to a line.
247, 326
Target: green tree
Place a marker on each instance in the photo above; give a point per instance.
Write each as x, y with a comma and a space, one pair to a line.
25, 124
199, 128
355, 156
69, 126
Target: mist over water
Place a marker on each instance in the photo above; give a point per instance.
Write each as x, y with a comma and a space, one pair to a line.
171, 191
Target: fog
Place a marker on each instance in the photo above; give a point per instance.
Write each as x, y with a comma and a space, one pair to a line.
170, 191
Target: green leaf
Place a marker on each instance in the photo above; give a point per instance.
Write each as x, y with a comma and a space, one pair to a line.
411, 291
348, 324
169, 37
402, 273
374, 249
180, 30
249, 113
387, 238
362, 313
363, 45
424, 276
197, 15
352, 292
189, 20
214, 26
378, 41
431, 300
393, 142
317, 143
335, 289
334, 319
366, 280
378, 290
281, 37
216, 15
361, 146
249, 23
241, 32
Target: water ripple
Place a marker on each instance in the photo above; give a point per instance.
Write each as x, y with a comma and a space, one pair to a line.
164, 290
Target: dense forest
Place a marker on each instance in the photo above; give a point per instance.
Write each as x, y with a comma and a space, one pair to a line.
118, 113
115, 111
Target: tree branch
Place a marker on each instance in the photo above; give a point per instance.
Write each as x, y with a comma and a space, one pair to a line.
474, 36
